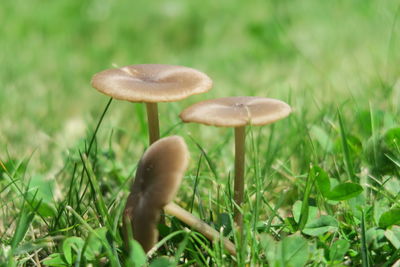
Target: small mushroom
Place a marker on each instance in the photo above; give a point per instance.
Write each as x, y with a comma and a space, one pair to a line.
150, 84
157, 181
237, 112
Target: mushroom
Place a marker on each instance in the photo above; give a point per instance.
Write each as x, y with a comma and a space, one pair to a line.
157, 181
151, 83
237, 112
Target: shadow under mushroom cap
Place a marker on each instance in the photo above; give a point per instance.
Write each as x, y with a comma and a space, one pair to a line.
151, 83
236, 111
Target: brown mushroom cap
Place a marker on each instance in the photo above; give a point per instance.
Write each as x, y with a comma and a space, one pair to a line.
151, 83
157, 180
236, 111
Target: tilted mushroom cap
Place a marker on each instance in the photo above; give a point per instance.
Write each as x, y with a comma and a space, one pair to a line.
151, 83
236, 111
157, 180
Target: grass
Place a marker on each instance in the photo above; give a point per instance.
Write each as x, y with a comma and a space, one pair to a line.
322, 185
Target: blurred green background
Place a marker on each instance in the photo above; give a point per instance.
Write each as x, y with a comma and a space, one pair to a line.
309, 53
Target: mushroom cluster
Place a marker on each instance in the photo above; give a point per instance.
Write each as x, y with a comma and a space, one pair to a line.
162, 166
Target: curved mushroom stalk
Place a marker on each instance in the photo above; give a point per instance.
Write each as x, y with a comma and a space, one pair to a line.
237, 112
151, 84
198, 225
157, 180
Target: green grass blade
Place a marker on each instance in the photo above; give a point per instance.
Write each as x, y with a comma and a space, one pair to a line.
305, 206
210, 163
364, 246
196, 182
99, 200
346, 150
98, 126
24, 221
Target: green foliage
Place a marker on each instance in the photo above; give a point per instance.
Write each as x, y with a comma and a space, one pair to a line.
72, 245
315, 225
162, 262
338, 249
342, 191
41, 195
346, 150
345, 191
55, 259
305, 207
320, 226
23, 223
137, 257
291, 251
390, 218
383, 152
375, 237
68, 154
393, 235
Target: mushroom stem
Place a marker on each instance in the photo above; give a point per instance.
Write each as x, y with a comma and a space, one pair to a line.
199, 225
240, 134
152, 118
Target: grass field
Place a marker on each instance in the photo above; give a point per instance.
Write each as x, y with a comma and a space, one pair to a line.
323, 185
